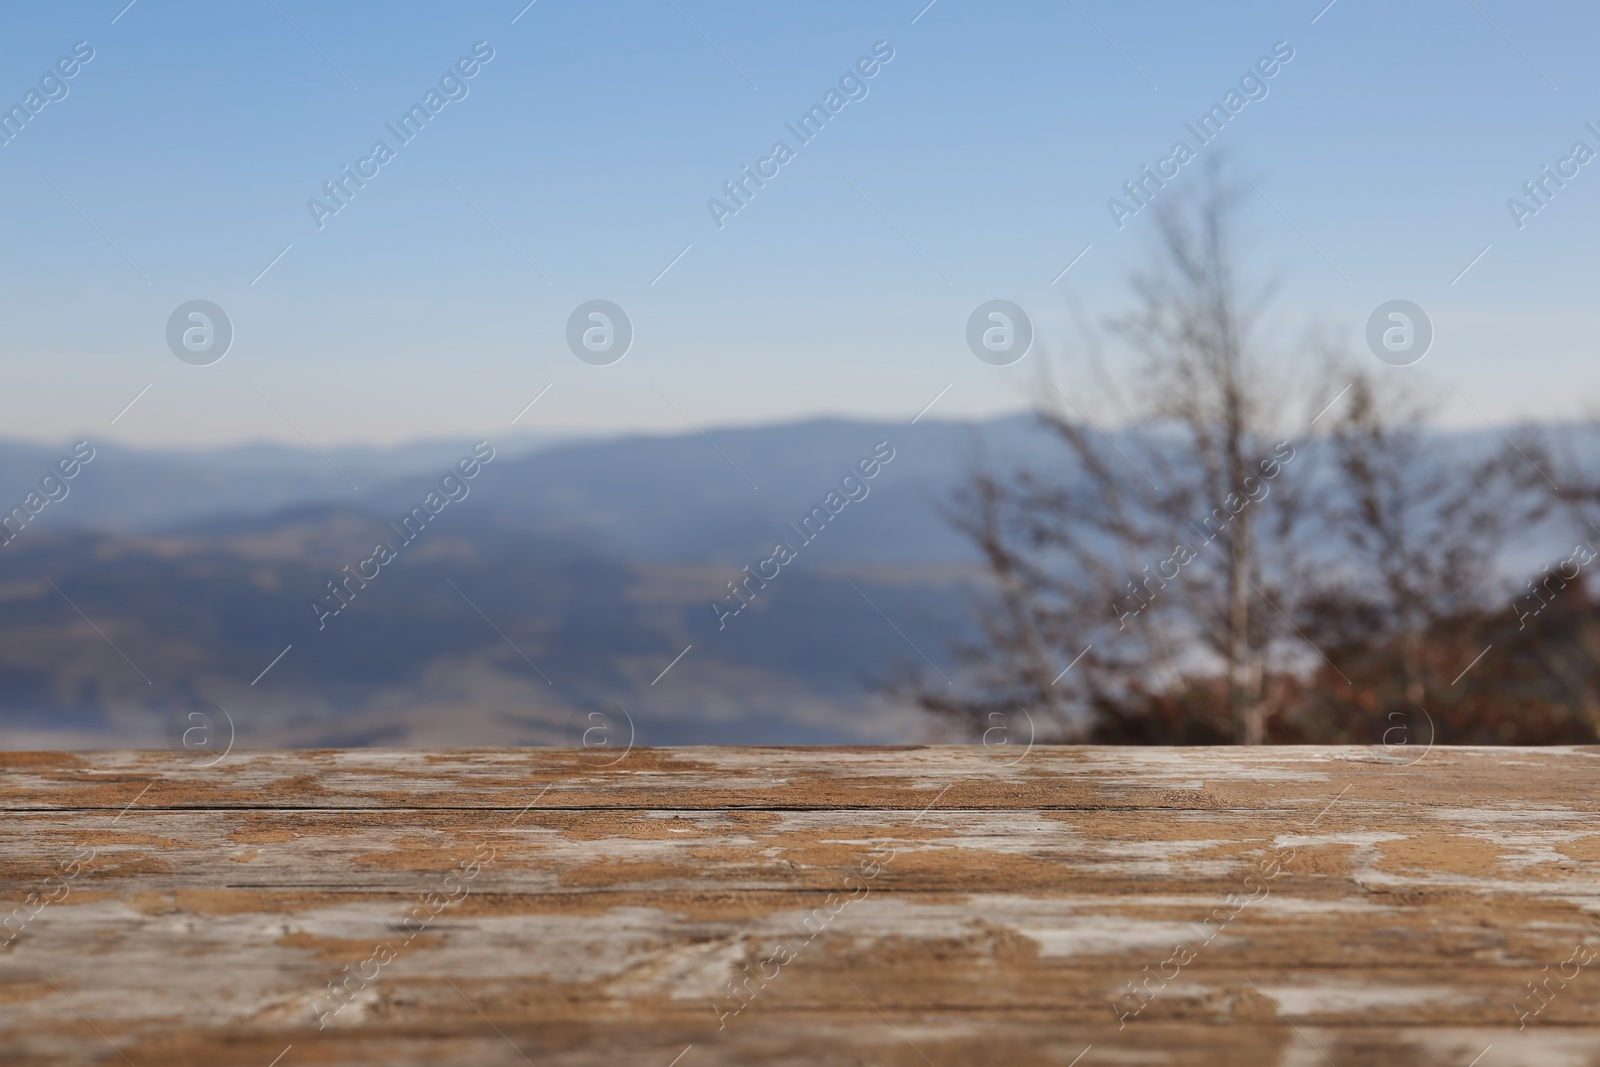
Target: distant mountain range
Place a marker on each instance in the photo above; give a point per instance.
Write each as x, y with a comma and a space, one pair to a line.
569, 572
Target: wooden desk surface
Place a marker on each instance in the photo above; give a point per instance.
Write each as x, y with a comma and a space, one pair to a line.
948, 906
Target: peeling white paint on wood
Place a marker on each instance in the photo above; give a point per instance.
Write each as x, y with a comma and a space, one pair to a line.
1020, 901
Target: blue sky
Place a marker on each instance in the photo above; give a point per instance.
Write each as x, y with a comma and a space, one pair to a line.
977, 166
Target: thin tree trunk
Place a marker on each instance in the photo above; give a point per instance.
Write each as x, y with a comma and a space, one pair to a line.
1249, 726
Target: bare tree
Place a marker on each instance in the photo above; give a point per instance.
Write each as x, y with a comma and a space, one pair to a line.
1570, 646
1411, 532
1136, 580
1211, 571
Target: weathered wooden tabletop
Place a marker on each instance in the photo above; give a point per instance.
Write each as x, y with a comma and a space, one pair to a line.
699, 907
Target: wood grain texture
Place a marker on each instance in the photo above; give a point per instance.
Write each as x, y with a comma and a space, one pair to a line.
1281, 906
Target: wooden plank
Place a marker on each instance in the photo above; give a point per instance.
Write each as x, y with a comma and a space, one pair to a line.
1275, 906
